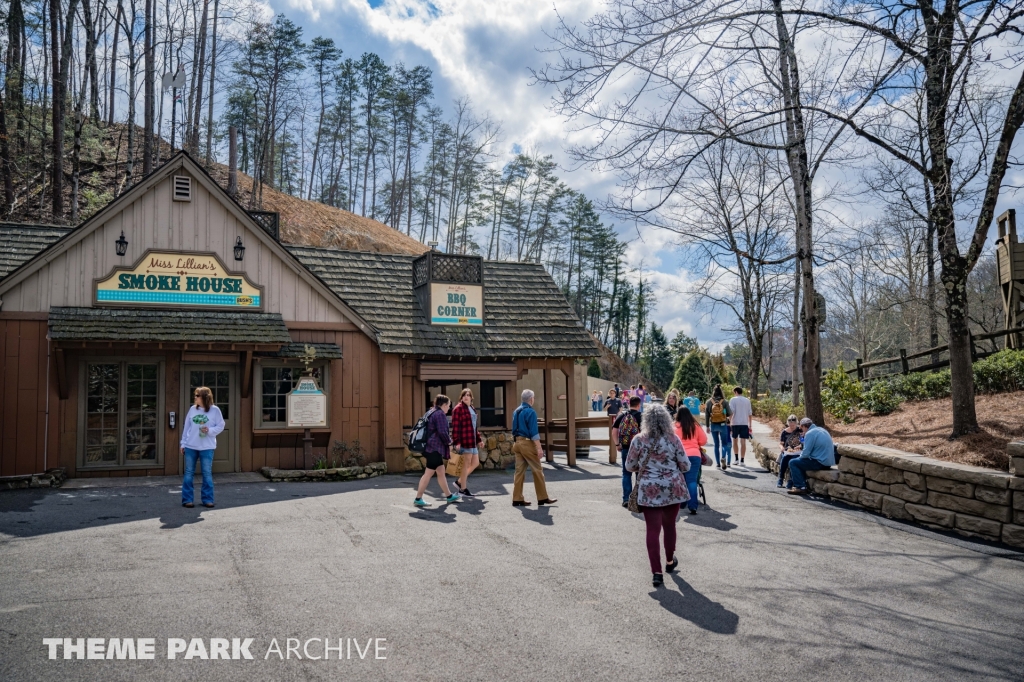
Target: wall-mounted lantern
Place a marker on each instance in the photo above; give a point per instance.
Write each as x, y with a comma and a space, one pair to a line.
121, 245
239, 249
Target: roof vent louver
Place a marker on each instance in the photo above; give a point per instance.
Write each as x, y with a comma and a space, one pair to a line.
182, 188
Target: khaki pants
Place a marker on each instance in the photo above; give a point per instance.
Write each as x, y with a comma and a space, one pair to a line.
525, 451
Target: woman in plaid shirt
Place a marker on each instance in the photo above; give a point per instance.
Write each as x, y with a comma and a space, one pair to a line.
466, 438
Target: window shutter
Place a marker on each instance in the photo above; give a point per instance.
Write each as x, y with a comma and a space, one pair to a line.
182, 188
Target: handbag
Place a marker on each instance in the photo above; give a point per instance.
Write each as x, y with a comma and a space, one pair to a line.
454, 465
705, 458
634, 505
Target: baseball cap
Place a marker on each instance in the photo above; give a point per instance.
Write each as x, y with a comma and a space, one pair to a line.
806, 421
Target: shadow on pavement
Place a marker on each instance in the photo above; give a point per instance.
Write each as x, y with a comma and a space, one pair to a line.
435, 514
541, 515
706, 517
691, 605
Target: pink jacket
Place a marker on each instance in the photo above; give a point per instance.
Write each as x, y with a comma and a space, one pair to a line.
691, 446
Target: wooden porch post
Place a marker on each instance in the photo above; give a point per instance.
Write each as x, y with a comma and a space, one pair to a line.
569, 370
547, 416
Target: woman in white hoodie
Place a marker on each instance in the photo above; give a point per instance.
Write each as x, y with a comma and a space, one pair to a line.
198, 441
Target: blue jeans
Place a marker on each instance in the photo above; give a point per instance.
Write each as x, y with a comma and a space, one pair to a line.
691, 477
719, 432
784, 459
798, 469
205, 458
627, 478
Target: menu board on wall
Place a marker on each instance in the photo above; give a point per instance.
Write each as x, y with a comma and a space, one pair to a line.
460, 305
174, 279
307, 405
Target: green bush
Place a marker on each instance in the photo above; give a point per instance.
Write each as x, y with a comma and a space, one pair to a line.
1003, 371
880, 398
840, 394
776, 407
936, 385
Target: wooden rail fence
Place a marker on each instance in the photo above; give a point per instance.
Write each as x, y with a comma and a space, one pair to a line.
904, 359
560, 427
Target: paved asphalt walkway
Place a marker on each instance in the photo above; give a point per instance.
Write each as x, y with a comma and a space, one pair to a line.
771, 587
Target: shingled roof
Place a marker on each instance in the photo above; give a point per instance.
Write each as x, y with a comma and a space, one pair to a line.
525, 314
125, 324
20, 243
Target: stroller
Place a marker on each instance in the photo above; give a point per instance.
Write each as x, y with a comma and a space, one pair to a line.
700, 487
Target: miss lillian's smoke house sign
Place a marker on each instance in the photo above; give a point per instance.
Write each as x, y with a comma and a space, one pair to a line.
178, 279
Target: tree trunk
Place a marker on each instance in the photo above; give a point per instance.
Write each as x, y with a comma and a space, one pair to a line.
14, 85
149, 89
796, 334
200, 73
113, 68
796, 156
57, 142
5, 159
90, 59
213, 78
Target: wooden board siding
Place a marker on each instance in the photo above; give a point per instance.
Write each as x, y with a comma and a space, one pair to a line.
23, 401
354, 405
154, 221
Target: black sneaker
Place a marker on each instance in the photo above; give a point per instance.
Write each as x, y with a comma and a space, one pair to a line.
465, 492
659, 580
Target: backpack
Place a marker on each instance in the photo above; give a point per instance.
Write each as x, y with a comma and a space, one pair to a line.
717, 412
628, 429
418, 436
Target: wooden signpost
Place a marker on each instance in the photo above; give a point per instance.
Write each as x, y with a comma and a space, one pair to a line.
307, 405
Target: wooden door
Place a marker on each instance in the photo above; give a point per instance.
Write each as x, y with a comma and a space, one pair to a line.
222, 380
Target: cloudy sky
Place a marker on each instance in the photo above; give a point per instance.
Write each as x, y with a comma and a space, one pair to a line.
484, 49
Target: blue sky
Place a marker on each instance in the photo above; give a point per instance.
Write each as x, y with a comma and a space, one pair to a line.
484, 49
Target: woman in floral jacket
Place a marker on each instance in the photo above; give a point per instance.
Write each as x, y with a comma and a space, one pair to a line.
659, 457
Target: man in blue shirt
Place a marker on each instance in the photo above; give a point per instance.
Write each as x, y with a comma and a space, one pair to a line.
819, 453
692, 403
528, 452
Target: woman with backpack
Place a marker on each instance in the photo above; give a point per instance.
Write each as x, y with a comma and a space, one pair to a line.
437, 451
716, 418
466, 438
661, 464
692, 437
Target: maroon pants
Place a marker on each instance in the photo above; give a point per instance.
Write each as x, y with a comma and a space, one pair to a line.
658, 519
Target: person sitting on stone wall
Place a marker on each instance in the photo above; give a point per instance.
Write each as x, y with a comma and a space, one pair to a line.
818, 453
791, 443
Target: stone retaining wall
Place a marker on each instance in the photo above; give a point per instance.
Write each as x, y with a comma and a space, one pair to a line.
970, 500
497, 454
339, 474
53, 478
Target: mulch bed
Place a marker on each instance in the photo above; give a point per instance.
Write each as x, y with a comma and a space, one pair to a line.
923, 428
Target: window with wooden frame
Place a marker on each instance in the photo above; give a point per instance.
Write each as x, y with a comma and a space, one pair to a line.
120, 405
274, 379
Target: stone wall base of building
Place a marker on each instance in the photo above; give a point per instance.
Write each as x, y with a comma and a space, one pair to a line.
339, 474
968, 500
52, 478
497, 454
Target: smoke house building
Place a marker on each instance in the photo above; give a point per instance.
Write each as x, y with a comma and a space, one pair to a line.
106, 329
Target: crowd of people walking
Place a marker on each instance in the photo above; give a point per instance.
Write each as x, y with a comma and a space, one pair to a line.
661, 444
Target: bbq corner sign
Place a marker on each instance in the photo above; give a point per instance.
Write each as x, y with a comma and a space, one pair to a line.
171, 279
461, 305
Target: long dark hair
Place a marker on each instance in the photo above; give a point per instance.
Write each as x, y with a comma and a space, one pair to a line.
686, 422
717, 394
